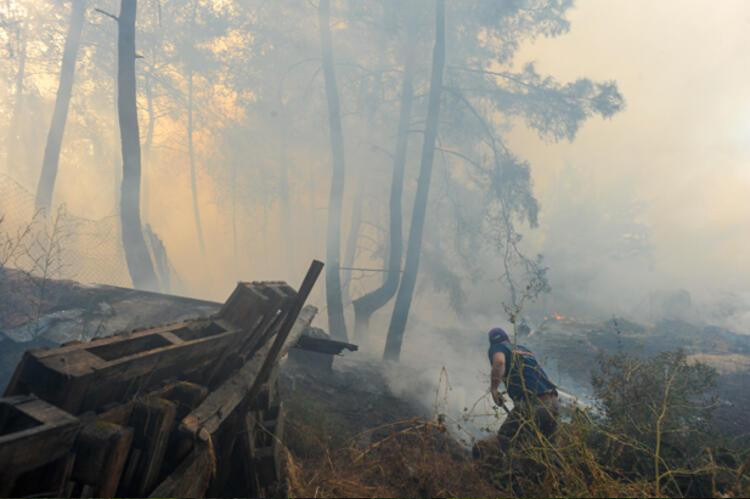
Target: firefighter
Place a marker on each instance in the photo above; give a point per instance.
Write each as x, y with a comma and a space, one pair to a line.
534, 396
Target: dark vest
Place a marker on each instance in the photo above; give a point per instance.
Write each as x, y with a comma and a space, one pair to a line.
523, 375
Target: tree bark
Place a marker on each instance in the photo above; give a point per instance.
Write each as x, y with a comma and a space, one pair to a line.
136, 253
50, 164
191, 151
147, 147
336, 322
411, 268
353, 235
148, 142
371, 302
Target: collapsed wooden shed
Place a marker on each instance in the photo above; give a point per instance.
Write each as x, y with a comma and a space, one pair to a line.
182, 410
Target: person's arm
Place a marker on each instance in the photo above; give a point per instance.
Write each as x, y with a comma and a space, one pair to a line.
498, 371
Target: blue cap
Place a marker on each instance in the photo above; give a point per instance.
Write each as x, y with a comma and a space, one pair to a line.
498, 335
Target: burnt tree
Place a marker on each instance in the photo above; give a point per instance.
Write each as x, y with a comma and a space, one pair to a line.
368, 304
50, 164
190, 130
136, 253
336, 322
411, 268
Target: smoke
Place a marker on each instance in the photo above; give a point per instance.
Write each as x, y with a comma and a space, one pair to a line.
643, 215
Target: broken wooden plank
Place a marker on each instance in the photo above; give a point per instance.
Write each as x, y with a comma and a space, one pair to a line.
192, 476
324, 345
207, 418
268, 393
269, 446
254, 308
33, 433
85, 376
184, 394
151, 419
246, 455
101, 450
250, 300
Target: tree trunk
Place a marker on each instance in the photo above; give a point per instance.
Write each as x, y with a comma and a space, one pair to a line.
353, 236
147, 147
51, 161
368, 304
411, 268
136, 253
191, 151
370, 97
336, 323
148, 142
13, 130
193, 173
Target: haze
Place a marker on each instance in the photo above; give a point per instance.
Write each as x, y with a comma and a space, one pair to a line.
652, 199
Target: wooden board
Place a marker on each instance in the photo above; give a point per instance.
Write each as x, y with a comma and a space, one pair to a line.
268, 394
269, 446
152, 420
86, 376
32, 434
192, 477
249, 301
185, 395
220, 404
101, 450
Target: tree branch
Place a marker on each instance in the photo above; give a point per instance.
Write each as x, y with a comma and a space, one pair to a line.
104, 12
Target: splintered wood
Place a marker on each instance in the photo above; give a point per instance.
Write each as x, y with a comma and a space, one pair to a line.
182, 410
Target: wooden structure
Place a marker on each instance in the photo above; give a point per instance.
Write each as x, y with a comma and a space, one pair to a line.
181, 410
316, 349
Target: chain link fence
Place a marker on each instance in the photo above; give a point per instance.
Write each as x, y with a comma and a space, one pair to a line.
62, 245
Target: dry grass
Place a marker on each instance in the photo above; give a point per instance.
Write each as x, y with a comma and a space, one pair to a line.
419, 458
639, 444
416, 459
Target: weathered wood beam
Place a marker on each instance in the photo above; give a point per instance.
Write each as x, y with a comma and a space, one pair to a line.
151, 420
32, 434
101, 450
192, 476
86, 376
207, 418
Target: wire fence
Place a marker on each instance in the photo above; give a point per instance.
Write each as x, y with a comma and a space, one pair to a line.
89, 251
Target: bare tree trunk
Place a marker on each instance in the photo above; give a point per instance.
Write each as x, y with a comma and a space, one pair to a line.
353, 236
371, 302
191, 151
370, 97
136, 253
13, 129
411, 268
193, 173
151, 125
336, 322
51, 161
147, 145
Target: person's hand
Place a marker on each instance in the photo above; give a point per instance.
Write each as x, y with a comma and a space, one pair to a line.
498, 398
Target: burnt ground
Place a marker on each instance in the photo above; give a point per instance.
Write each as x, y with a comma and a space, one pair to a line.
349, 405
